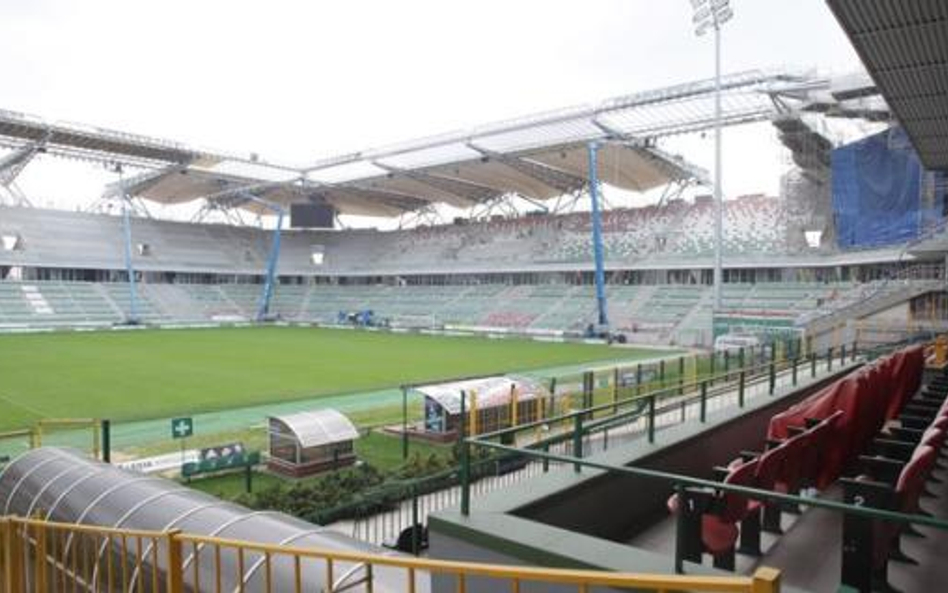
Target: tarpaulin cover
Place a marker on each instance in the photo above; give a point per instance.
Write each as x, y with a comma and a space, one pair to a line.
877, 191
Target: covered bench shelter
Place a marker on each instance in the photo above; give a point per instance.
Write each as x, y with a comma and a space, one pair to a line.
492, 403
307, 443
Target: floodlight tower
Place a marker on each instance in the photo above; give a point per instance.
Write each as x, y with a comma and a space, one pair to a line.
132, 318
712, 14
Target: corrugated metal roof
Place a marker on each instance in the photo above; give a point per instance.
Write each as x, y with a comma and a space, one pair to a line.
904, 45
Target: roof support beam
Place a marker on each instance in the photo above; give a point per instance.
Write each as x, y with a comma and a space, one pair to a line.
469, 193
137, 184
560, 181
399, 201
12, 165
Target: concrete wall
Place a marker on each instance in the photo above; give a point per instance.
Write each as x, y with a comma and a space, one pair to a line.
615, 507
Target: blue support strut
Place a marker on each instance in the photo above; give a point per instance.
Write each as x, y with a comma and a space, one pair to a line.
263, 307
597, 236
129, 267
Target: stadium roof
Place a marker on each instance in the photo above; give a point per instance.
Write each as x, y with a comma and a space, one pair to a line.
539, 157
904, 45
90, 143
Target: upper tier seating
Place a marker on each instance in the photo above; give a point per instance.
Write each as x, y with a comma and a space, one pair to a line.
753, 226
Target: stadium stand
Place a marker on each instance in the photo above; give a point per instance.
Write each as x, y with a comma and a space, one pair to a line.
665, 312
95, 241
524, 273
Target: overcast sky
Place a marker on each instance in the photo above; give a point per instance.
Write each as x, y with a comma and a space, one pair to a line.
296, 81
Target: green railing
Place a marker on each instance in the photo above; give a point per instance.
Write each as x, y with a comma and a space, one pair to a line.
381, 513
677, 482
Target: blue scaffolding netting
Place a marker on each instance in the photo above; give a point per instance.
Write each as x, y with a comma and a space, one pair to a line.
877, 192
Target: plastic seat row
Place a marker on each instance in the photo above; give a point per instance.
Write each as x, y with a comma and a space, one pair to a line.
787, 465
893, 476
808, 447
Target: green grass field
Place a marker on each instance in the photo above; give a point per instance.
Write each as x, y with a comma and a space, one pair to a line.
154, 374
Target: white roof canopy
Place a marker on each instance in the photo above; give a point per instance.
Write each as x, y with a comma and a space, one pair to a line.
539, 157
319, 427
490, 392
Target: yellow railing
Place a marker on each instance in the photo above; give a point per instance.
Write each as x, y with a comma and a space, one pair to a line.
44, 426
36, 434
37, 555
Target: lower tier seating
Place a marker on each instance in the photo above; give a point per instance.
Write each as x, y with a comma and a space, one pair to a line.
874, 432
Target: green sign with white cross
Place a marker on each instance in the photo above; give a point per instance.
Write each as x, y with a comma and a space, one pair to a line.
182, 427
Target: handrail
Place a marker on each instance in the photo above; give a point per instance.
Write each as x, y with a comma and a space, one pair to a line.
630, 410
679, 480
644, 397
748, 491
530, 573
85, 528
18, 570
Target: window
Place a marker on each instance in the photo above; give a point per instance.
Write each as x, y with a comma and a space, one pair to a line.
11, 242
317, 255
143, 249
813, 238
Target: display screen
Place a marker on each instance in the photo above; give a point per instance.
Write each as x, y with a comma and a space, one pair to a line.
312, 216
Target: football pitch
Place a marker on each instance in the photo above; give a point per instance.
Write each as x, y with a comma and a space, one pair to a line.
137, 375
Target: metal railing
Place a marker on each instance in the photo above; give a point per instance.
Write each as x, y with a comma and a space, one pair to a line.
649, 407
574, 456
671, 396
932, 273
381, 516
40, 432
37, 555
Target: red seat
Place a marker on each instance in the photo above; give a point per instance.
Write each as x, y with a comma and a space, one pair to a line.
719, 529
934, 437
769, 466
908, 490
822, 437
912, 478
791, 470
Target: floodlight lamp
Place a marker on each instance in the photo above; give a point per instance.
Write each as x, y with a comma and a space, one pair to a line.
724, 15
701, 14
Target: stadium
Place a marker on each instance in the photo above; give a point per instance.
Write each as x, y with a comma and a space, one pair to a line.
546, 353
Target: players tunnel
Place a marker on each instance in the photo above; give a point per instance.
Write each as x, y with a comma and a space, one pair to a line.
63, 485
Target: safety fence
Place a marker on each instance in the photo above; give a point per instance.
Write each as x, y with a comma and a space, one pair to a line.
858, 512
51, 557
395, 515
88, 430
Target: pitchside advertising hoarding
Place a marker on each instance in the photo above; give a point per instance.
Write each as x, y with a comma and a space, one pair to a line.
766, 328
